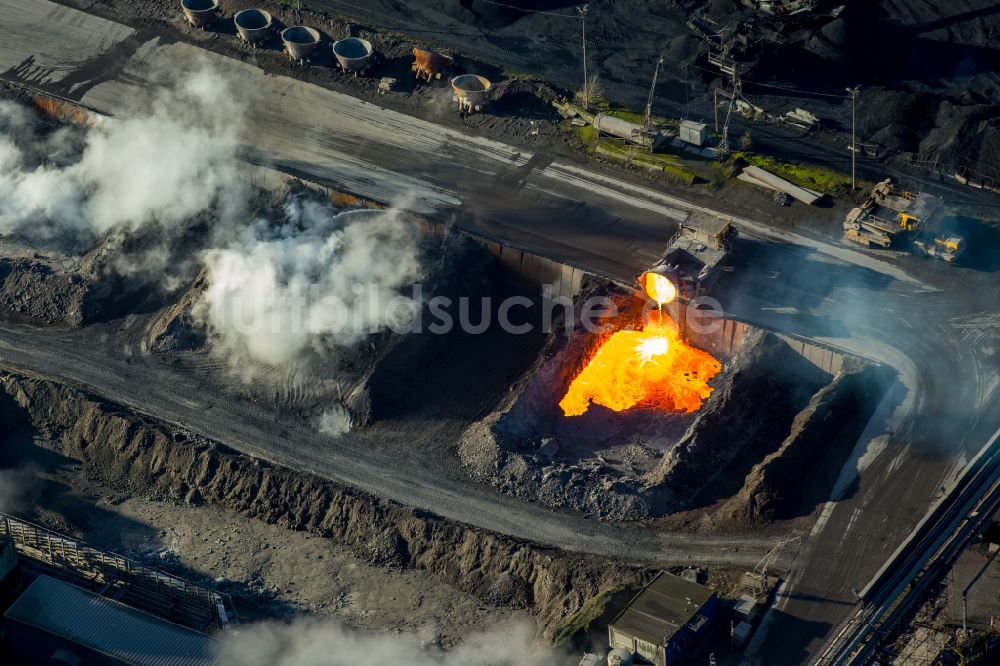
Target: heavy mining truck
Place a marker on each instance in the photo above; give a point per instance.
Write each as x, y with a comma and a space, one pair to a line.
888, 213
946, 248
695, 254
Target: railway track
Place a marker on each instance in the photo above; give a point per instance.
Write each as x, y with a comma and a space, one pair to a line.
920, 562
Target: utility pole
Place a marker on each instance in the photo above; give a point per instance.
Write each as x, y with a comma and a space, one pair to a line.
854, 134
583, 23
652, 90
715, 107
723, 148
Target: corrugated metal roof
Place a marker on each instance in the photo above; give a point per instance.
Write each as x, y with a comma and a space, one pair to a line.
110, 627
665, 605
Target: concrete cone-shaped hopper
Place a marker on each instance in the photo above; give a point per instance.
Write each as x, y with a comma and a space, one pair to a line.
428, 65
300, 42
253, 25
354, 54
470, 91
200, 13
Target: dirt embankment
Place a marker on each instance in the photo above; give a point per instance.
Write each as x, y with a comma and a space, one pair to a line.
801, 473
747, 418
142, 457
636, 465
31, 292
175, 328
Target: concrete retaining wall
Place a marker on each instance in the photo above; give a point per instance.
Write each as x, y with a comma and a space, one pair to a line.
823, 358
723, 341
565, 280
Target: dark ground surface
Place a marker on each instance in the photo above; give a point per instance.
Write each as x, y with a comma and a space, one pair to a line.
926, 127
930, 71
933, 336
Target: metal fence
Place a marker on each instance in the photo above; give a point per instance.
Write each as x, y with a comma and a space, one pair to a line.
118, 577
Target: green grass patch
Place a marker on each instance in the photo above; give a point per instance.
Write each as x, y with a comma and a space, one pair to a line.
617, 149
639, 118
593, 609
682, 174
587, 135
811, 176
659, 162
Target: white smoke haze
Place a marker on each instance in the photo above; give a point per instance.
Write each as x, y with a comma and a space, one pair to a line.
323, 643
335, 421
323, 280
318, 279
31, 192
168, 159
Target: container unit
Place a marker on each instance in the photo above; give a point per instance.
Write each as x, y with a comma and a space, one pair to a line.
354, 54
253, 25
200, 13
301, 42
470, 91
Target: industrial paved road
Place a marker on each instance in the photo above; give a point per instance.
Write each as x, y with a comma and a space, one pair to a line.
938, 330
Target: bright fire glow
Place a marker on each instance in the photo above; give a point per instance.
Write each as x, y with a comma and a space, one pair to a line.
659, 288
654, 346
651, 368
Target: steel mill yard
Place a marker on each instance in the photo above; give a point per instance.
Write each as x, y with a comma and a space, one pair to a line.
534, 332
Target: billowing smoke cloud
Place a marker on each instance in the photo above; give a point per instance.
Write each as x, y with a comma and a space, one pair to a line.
322, 279
315, 643
315, 279
170, 158
335, 421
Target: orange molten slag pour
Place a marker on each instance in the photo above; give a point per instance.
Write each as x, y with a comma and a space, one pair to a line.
659, 288
650, 368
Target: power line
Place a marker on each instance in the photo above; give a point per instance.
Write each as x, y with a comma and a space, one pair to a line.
531, 11
797, 90
759, 83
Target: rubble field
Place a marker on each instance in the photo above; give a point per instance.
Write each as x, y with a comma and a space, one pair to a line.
644, 463
467, 409
483, 406
137, 467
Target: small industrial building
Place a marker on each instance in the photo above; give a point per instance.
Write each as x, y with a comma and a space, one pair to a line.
669, 616
694, 133
55, 622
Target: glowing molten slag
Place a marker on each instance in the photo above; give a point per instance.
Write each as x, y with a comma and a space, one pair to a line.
659, 288
651, 368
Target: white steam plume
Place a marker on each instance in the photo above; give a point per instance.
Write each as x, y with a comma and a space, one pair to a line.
319, 643
318, 280
335, 421
322, 280
164, 162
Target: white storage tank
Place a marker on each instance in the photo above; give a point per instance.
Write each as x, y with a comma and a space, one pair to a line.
619, 657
